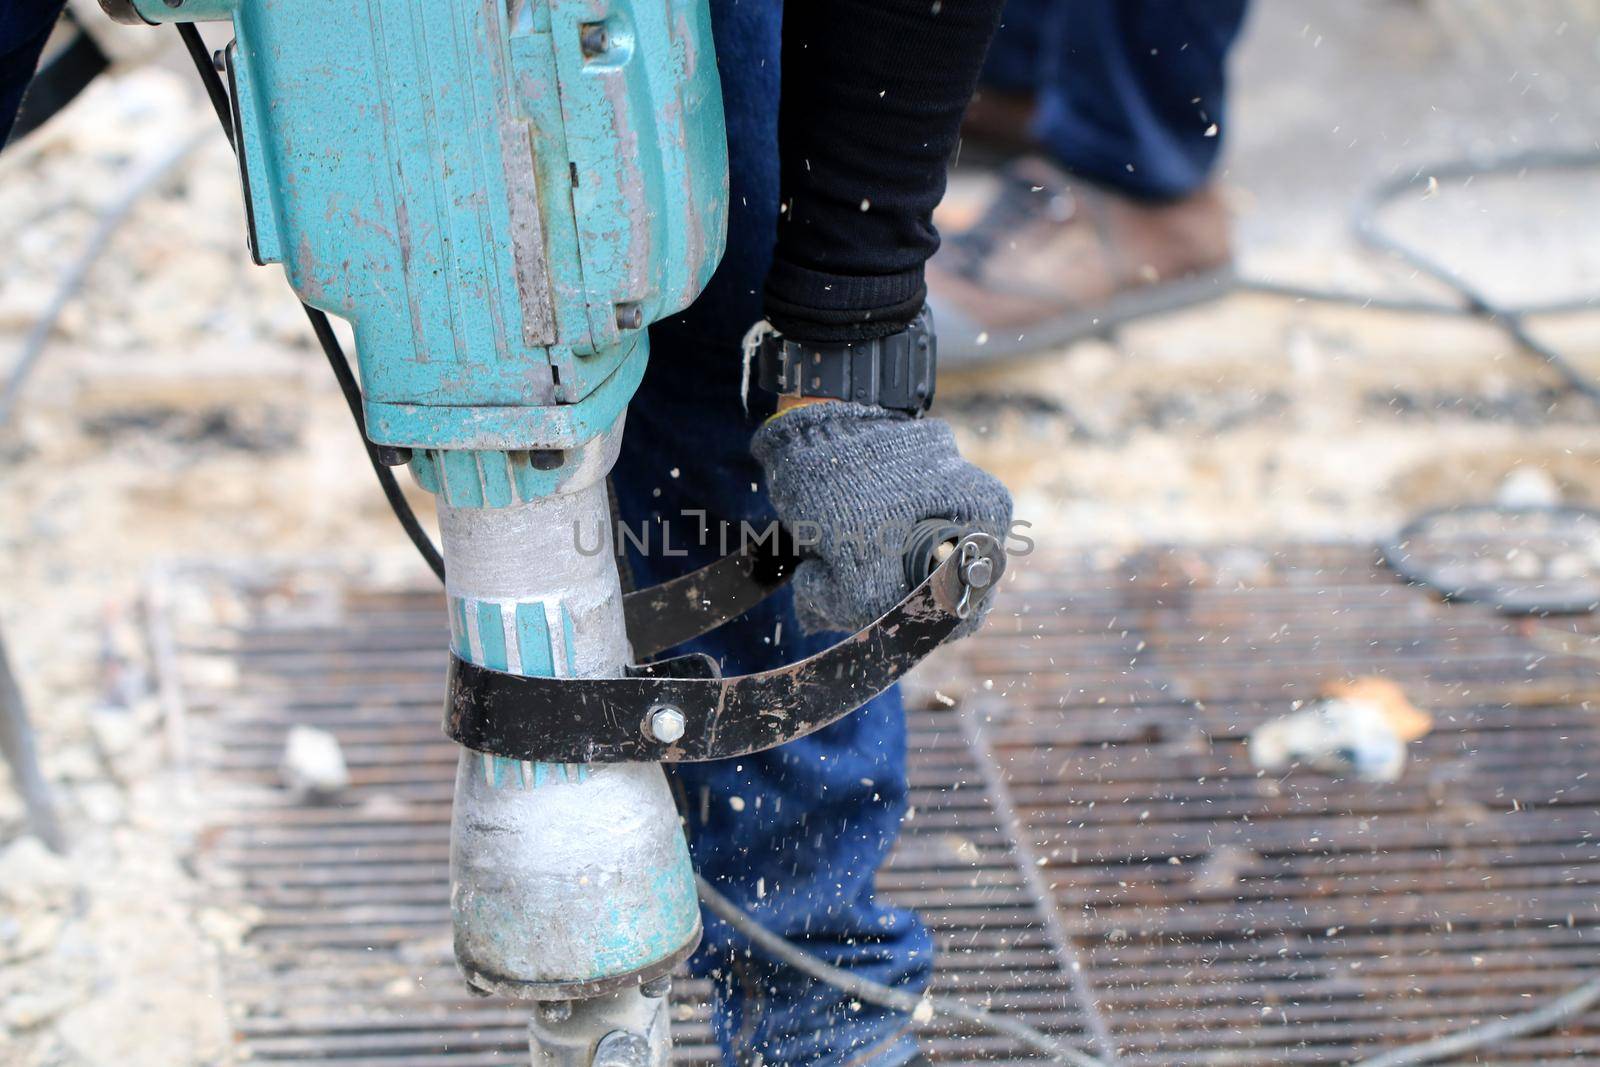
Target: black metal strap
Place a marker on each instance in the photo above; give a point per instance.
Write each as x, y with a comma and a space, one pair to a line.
609, 720
895, 372
672, 612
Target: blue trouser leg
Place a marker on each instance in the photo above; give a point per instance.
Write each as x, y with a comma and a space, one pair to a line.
796, 834
1126, 88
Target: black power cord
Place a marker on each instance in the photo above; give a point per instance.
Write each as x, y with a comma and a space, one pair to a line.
1510, 318
1475, 303
322, 328
1547, 570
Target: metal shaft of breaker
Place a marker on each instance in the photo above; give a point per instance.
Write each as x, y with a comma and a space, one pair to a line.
570, 883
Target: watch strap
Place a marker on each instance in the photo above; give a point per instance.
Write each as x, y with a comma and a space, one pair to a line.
895, 372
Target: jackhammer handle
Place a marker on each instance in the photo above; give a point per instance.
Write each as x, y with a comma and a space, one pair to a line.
929, 544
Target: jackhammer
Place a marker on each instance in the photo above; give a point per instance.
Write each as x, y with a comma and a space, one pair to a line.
500, 197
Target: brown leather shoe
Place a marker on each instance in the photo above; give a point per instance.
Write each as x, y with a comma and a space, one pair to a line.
996, 125
1054, 259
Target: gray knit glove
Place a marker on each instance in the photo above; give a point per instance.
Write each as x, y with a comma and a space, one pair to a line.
855, 480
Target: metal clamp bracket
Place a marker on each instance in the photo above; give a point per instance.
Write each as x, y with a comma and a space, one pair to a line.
668, 614
683, 710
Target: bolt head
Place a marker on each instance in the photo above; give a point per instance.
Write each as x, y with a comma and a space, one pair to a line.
667, 724
392, 456
979, 573
546, 459
621, 1049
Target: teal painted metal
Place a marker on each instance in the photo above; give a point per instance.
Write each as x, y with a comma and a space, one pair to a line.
485, 641
499, 195
491, 479
486, 631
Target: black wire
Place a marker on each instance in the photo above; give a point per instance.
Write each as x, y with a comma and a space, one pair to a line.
1402, 305
386, 480
208, 77
324, 331
1364, 222
1475, 303
1540, 597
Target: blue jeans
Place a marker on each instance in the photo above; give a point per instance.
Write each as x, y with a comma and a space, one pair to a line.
793, 835
1126, 89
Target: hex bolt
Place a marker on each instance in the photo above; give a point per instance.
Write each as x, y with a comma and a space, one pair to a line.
629, 316
593, 39
392, 455
621, 1049
546, 459
666, 723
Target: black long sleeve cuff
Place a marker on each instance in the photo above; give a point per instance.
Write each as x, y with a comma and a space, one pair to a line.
819, 306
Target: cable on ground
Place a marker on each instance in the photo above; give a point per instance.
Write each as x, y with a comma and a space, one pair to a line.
1364, 224
916, 1005
1546, 1017
1406, 554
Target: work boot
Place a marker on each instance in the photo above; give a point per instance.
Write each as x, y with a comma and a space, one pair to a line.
1053, 259
996, 125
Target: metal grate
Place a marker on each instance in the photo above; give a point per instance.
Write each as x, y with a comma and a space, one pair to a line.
1220, 916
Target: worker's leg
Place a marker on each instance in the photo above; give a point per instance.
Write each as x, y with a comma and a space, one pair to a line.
1128, 92
793, 835
1109, 212
1002, 110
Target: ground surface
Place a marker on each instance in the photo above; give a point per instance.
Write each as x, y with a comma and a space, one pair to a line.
1089, 837
181, 413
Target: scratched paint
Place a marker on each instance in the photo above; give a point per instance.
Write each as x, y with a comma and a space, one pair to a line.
477, 196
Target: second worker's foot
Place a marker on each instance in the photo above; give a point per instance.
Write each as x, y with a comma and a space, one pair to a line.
1053, 259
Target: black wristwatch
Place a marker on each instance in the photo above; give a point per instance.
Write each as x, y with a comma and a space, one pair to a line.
894, 372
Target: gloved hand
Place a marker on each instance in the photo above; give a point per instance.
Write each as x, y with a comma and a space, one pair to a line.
864, 477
